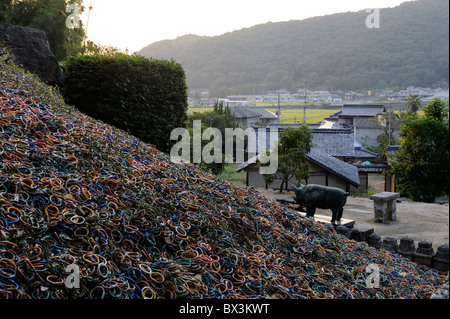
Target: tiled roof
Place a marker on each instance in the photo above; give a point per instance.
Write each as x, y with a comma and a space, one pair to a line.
263, 112
361, 110
336, 142
342, 169
372, 168
363, 153
347, 172
242, 112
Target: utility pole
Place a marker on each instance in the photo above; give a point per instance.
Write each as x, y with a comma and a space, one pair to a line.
87, 23
389, 128
278, 107
304, 107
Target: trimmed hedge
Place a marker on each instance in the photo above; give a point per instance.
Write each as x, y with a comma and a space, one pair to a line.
145, 97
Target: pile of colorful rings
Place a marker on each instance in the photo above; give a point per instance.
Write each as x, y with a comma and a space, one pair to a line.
84, 201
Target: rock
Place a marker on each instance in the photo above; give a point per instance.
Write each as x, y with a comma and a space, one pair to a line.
31, 49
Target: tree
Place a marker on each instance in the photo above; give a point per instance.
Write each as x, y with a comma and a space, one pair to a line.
293, 147
220, 118
389, 123
421, 165
413, 104
50, 16
91, 48
5, 7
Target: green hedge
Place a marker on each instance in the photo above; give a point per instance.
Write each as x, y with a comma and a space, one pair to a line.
145, 97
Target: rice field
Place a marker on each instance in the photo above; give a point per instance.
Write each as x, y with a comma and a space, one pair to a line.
290, 115
296, 115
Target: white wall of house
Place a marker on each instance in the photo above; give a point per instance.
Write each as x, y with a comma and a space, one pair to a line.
368, 136
317, 176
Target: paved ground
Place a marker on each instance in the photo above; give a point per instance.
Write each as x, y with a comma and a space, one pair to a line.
420, 221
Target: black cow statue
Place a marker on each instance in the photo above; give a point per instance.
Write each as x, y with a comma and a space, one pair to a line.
318, 196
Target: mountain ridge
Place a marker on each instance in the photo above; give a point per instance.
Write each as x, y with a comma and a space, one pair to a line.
334, 51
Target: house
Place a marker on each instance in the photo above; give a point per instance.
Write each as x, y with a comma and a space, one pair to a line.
206, 102
331, 147
338, 142
329, 139
321, 97
324, 170
441, 95
250, 116
239, 100
244, 116
362, 155
266, 116
358, 116
302, 95
351, 95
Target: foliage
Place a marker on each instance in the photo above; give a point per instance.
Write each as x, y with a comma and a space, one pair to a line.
436, 111
47, 15
337, 51
413, 104
229, 174
391, 122
293, 148
388, 123
146, 97
220, 118
91, 48
421, 165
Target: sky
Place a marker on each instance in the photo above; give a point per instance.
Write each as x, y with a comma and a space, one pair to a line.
134, 24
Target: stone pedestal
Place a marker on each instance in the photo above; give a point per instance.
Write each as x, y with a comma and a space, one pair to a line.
361, 233
385, 207
374, 240
424, 253
441, 259
407, 248
342, 230
390, 244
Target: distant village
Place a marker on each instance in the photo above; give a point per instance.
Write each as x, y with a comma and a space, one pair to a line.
203, 98
339, 156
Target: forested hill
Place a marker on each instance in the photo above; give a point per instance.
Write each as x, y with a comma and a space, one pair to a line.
411, 47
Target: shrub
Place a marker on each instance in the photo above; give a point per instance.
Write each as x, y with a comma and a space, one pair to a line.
145, 97
421, 165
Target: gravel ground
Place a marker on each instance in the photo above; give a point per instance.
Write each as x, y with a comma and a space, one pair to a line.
419, 221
